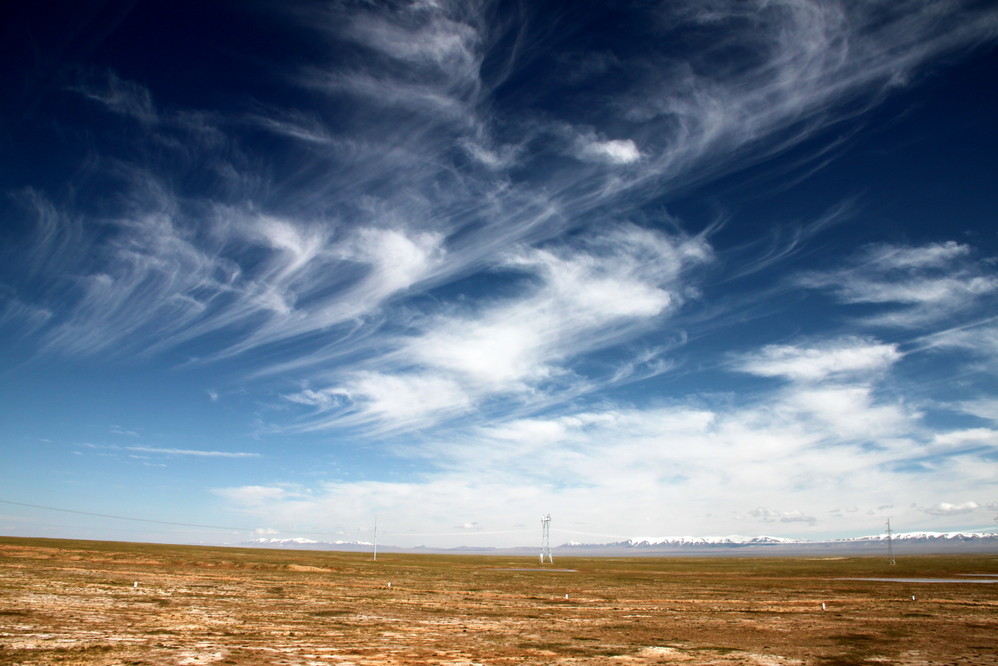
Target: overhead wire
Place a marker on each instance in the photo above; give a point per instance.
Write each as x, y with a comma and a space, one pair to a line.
248, 529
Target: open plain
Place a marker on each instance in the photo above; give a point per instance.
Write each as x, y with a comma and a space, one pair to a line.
86, 602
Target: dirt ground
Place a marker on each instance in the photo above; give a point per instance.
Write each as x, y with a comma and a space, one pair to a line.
74, 602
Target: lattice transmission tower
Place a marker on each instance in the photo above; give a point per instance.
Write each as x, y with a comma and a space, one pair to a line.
546, 539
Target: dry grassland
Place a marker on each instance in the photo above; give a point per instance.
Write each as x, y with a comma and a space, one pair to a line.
75, 602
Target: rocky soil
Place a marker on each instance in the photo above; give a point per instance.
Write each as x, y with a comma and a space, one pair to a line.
94, 603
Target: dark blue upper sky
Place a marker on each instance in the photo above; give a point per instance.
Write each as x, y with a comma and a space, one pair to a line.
718, 267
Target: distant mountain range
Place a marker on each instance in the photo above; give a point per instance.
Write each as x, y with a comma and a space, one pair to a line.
905, 542
300, 543
920, 542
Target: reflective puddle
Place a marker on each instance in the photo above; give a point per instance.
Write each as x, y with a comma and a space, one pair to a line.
930, 580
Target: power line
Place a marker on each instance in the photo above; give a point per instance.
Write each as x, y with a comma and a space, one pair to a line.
140, 520
613, 536
465, 533
245, 529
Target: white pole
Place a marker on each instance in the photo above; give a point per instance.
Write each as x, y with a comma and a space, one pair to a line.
375, 537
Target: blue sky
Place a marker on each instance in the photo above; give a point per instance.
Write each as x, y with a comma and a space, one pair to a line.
704, 268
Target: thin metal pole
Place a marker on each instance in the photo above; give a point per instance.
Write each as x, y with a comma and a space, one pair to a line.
375, 537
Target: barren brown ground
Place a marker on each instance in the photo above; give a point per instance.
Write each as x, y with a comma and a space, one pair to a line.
76, 602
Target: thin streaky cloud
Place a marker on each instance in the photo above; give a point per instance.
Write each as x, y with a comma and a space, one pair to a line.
119, 96
273, 298
924, 284
197, 453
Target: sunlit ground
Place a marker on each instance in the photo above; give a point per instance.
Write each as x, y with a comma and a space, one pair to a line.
76, 602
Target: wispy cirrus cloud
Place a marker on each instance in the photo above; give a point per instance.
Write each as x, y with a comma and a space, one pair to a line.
924, 284
985, 408
197, 453
446, 41
802, 61
117, 95
168, 452
160, 281
934, 294
598, 294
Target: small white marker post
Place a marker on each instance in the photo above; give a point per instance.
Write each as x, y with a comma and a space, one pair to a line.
135, 584
822, 605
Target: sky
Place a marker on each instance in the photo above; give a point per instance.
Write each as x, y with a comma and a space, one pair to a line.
294, 269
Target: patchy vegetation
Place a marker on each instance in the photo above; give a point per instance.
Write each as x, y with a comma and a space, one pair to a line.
76, 602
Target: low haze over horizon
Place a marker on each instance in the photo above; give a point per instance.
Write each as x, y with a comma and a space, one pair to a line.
660, 268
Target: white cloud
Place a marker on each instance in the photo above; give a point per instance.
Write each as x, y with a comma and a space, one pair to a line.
838, 358
436, 40
20, 315
324, 399
398, 259
979, 436
401, 397
297, 126
118, 95
768, 515
252, 496
616, 151
191, 452
902, 258
984, 408
947, 509
147, 285
494, 158
809, 58
164, 275
979, 340
928, 291
585, 300
579, 299
851, 412
294, 246
657, 470
923, 284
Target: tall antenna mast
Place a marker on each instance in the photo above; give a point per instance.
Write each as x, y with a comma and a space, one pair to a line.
890, 543
546, 539
375, 537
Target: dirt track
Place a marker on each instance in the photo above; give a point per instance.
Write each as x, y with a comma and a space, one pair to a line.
78, 603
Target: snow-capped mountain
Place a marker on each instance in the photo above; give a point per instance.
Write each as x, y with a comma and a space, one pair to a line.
302, 543
912, 542
922, 542
733, 539
928, 536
